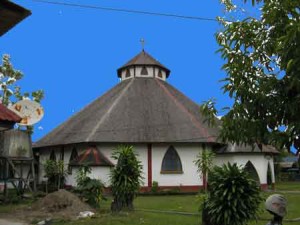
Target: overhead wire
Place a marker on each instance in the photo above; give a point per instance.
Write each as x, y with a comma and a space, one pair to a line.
127, 10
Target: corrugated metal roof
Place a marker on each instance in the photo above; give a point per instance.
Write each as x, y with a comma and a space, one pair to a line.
8, 115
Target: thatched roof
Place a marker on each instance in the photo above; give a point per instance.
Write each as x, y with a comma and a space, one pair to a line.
137, 110
11, 14
143, 59
8, 115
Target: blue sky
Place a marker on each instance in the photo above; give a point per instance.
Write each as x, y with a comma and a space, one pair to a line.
73, 53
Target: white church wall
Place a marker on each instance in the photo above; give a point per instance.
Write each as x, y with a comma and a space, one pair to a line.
140, 149
187, 154
142, 152
97, 172
138, 71
123, 74
271, 163
259, 161
44, 155
163, 74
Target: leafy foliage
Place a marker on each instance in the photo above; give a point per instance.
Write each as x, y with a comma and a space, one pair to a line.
125, 178
233, 198
90, 189
204, 163
154, 188
9, 91
262, 65
55, 172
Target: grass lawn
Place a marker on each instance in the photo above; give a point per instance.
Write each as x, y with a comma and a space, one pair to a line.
188, 203
288, 186
177, 203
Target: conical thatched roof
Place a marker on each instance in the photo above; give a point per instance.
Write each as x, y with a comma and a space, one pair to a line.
137, 110
143, 59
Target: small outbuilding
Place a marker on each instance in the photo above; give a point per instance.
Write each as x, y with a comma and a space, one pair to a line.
16, 158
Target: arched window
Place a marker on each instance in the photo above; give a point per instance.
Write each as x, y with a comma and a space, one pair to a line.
269, 175
144, 71
159, 74
171, 162
52, 156
127, 74
73, 160
249, 167
74, 155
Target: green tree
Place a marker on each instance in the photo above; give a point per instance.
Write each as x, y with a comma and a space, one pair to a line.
262, 65
10, 92
204, 163
233, 197
125, 178
56, 173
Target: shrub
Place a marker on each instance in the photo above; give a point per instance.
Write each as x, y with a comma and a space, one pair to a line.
91, 190
125, 178
154, 188
233, 197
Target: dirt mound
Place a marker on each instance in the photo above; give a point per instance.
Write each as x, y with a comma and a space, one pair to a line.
60, 204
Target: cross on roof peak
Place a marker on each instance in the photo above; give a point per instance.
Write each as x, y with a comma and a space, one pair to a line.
142, 41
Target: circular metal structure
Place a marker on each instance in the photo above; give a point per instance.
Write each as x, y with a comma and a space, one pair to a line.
31, 112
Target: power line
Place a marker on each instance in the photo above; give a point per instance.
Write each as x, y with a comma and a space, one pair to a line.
127, 10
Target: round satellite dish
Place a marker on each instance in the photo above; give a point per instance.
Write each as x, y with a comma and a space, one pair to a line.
31, 112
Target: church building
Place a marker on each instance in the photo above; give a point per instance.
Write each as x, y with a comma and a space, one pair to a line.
164, 126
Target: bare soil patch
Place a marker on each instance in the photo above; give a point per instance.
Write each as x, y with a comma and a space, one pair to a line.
57, 205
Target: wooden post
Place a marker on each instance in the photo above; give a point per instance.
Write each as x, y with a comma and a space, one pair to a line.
33, 175
5, 178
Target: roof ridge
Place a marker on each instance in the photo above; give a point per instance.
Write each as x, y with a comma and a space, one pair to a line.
182, 107
61, 125
112, 106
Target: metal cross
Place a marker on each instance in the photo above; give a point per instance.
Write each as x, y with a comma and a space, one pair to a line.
142, 43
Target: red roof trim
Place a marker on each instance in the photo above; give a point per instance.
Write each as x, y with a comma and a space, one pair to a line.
8, 115
98, 159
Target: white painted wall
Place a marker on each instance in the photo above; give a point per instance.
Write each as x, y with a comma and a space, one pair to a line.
259, 161
163, 73
123, 74
97, 172
101, 173
136, 72
187, 154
